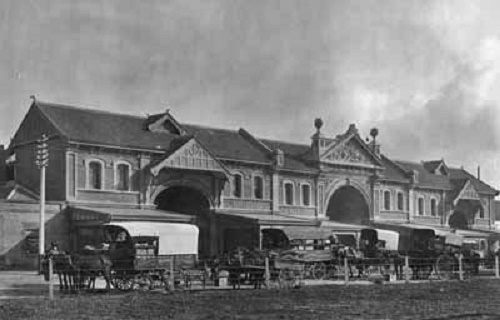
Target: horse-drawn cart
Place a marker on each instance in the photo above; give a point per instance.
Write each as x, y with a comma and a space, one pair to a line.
144, 254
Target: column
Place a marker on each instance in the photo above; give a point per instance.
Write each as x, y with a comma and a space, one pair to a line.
276, 192
411, 204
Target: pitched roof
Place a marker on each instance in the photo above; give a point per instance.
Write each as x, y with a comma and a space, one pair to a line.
392, 171
431, 166
425, 178
455, 181
112, 129
479, 185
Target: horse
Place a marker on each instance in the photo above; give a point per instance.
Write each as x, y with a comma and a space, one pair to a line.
92, 265
63, 266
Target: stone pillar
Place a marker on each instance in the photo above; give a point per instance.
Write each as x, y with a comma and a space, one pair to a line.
144, 180
275, 181
411, 204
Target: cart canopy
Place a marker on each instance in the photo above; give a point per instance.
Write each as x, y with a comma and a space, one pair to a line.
173, 238
390, 237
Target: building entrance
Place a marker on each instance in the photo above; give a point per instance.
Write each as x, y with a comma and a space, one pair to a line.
348, 205
191, 201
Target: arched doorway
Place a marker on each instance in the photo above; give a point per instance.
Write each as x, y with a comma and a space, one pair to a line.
348, 205
190, 201
458, 220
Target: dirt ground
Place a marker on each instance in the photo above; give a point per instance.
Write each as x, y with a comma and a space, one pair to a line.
476, 299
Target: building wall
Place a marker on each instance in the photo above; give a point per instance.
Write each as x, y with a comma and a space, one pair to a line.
109, 159
19, 225
427, 195
392, 212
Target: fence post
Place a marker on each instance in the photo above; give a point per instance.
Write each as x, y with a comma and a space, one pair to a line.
460, 267
497, 267
268, 274
407, 269
172, 274
51, 280
346, 271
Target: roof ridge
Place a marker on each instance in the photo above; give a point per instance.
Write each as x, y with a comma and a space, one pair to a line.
88, 109
201, 126
282, 141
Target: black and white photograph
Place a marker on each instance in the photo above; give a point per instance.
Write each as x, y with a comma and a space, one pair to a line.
250, 159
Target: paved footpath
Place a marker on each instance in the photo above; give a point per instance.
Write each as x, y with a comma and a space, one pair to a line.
22, 284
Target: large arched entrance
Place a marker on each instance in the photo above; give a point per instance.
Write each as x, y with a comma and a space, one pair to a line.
347, 204
190, 201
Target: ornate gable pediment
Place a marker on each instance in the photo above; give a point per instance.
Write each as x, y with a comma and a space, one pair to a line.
192, 156
468, 192
350, 152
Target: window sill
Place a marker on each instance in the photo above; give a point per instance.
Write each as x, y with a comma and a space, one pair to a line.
109, 191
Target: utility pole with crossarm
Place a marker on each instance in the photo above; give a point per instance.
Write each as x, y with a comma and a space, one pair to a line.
42, 160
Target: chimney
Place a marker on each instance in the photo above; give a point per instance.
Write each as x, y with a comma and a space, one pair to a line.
279, 157
478, 173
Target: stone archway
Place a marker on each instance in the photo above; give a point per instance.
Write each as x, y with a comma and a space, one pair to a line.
348, 204
188, 200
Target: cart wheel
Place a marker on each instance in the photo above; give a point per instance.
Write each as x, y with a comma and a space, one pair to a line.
445, 267
124, 284
318, 271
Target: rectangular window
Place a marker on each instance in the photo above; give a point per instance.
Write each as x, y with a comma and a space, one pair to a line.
387, 200
95, 175
289, 193
433, 207
258, 186
306, 195
123, 177
237, 186
400, 201
420, 206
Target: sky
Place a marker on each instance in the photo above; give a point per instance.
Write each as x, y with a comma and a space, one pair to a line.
425, 73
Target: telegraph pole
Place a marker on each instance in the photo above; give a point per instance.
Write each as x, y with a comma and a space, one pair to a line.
42, 160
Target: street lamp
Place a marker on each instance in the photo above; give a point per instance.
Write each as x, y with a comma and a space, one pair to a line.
42, 160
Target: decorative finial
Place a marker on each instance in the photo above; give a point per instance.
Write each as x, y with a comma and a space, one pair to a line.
318, 123
32, 97
374, 133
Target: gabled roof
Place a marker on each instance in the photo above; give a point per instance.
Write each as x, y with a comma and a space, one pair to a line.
112, 129
425, 178
455, 181
479, 185
392, 171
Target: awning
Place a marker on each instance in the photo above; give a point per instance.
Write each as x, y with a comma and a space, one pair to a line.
339, 226
304, 233
174, 238
266, 218
96, 216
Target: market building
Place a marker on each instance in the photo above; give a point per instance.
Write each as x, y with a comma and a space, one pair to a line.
232, 184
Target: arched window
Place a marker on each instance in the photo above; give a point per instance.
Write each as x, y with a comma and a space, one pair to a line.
387, 200
433, 207
421, 210
306, 195
401, 205
289, 193
258, 187
237, 185
123, 176
95, 176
